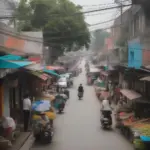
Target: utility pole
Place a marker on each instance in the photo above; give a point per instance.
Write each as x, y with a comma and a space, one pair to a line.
121, 10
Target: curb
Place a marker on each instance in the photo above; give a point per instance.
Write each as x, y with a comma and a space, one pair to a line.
27, 143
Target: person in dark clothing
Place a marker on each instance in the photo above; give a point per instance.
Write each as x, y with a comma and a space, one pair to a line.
66, 92
80, 91
80, 88
57, 88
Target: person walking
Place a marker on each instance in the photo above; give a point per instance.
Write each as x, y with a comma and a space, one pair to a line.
26, 111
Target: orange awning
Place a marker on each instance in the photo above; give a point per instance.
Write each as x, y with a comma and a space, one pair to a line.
55, 68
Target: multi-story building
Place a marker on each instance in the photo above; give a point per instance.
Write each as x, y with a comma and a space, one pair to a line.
136, 36
7, 8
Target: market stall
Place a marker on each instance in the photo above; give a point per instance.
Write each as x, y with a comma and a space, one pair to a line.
99, 86
133, 118
92, 75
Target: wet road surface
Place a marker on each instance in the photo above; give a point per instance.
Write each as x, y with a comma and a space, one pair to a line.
79, 127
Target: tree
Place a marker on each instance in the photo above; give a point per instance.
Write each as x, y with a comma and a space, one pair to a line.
62, 23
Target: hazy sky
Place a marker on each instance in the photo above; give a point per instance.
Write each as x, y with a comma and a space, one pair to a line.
101, 16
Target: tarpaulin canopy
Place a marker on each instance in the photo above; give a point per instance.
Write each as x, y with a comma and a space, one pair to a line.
51, 72
41, 105
11, 57
145, 78
55, 68
5, 64
130, 94
35, 67
40, 75
94, 70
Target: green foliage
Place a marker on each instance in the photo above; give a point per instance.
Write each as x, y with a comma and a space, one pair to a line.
62, 23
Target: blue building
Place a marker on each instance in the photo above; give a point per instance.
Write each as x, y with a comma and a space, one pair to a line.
134, 54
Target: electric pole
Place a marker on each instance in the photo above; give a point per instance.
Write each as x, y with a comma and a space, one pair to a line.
121, 10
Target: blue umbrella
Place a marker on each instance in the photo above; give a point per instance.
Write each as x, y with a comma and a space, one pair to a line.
41, 106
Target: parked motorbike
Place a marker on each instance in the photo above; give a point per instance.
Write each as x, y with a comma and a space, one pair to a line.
43, 133
80, 95
106, 121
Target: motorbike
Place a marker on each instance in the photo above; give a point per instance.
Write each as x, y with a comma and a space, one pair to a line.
67, 93
43, 132
80, 95
106, 121
61, 108
71, 83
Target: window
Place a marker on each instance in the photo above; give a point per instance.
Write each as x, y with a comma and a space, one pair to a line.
132, 57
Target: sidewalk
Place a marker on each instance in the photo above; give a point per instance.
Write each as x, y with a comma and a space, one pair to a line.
28, 144
21, 140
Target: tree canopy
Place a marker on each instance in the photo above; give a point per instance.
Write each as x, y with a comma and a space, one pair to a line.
61, 21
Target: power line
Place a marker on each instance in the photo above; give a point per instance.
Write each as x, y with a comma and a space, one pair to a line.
101, 4
102, 22
53, 38
98, 13
78, 13
74, 14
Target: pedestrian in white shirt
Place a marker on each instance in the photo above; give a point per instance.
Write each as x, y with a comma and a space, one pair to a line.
106, 109
9, 126
106, 105
26, 111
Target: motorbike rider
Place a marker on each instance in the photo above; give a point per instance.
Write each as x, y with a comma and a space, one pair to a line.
80, 89
106, 109
66, 92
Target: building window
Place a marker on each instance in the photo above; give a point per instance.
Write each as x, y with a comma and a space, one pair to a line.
132, 57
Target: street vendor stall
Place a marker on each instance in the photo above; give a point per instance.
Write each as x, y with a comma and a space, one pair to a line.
92, 75
42, 106
125, 105
99, 86
134, 119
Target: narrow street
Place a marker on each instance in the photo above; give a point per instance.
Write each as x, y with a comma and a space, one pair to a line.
79, 127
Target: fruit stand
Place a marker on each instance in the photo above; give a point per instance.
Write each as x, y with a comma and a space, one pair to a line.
135, 124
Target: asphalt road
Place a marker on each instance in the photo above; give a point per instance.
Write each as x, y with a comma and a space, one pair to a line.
79, 127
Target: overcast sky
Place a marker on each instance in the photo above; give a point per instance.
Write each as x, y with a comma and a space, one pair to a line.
96, 17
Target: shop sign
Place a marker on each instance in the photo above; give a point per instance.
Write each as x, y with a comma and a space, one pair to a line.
4, 72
